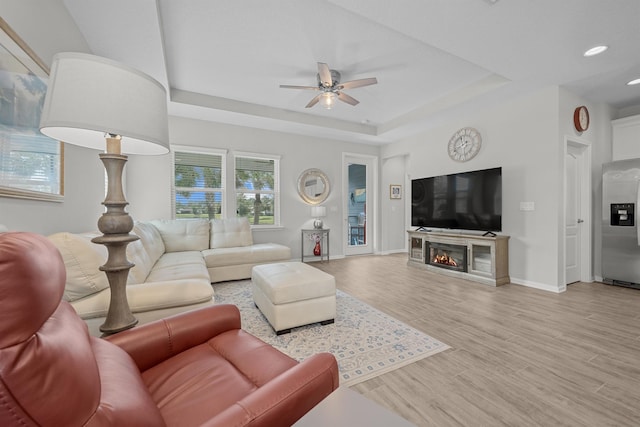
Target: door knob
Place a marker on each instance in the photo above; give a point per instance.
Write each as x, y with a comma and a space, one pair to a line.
580, 221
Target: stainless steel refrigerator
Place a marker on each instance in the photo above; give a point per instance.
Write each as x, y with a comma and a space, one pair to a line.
620, 230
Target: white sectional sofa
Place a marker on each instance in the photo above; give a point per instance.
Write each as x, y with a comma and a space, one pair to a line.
175, 263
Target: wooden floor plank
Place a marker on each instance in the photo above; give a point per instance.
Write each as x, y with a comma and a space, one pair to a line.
519, 356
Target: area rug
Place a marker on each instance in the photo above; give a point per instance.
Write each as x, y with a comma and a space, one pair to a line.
365, 341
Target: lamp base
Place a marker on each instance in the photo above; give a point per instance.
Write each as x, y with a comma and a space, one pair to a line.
115, 224
317, 224
119, 316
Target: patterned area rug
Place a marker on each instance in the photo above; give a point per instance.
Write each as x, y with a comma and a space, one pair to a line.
365, 341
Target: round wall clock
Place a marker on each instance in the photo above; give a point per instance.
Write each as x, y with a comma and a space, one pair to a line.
581, 118
464, 144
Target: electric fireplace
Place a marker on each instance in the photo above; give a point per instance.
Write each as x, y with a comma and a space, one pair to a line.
443, 255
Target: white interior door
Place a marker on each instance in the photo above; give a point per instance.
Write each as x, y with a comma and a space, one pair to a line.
572, 216
577, 196
359, 213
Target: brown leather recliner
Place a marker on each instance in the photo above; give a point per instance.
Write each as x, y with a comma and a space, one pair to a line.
197, 368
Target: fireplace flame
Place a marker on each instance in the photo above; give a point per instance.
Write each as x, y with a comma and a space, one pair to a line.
445, 259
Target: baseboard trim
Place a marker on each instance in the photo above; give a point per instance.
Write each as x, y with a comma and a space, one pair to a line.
309, 259
392, 252
541, 286
520, 282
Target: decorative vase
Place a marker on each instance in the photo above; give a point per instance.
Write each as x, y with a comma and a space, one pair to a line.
317, 250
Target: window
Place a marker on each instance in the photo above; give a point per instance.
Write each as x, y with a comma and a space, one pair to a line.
199, 189
199, 183
258, 188
30, 166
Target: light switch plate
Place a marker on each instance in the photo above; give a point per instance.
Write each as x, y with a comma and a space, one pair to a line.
527, 206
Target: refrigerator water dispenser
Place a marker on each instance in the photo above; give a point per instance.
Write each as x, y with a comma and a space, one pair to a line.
622, 214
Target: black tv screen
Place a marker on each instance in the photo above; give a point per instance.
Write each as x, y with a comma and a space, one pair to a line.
466, 201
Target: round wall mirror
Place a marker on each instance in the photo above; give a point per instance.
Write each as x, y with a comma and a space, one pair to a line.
313, 186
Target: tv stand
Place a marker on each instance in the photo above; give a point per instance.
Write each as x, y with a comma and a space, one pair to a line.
487, 257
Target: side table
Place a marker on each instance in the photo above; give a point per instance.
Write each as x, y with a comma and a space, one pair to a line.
307, 237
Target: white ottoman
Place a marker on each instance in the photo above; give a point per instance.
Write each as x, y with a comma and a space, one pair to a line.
292, 294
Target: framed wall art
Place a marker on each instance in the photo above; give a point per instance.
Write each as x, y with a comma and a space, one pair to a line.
31, 164
395, 191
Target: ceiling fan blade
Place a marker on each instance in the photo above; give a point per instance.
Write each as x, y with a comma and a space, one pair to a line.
314, 101
325, 74
348, 99
358, 83
298, 87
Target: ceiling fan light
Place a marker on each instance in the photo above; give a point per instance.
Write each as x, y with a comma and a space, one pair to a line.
328, 99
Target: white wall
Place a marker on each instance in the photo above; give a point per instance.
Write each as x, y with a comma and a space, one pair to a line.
525, 137
521, 137
84, 193
149, 178
47, 28
393, 211
148, 187
599, 137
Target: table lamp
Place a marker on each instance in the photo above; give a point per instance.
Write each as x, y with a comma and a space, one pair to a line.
96, 102
318, 212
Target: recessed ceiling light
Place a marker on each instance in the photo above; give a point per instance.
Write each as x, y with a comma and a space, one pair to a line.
595, 50
634, 82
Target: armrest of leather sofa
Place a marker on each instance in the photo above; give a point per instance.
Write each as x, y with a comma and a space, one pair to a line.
286, 398
157, 341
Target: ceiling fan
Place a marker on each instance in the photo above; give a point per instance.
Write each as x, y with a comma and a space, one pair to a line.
331, 89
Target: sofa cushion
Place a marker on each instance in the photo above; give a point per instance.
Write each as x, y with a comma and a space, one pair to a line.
137, 255
143, 252
179, 265
150, 238
82, 260
184, 234
254, 254
149, 297
230, 233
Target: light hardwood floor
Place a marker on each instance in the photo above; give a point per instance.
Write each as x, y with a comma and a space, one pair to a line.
519, 356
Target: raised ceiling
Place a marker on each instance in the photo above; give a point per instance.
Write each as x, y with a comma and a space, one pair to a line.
224, 60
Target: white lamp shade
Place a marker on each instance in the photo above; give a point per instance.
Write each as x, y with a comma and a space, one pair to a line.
318, 211
89, 96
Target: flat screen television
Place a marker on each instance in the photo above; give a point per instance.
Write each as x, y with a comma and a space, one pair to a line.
465, 201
